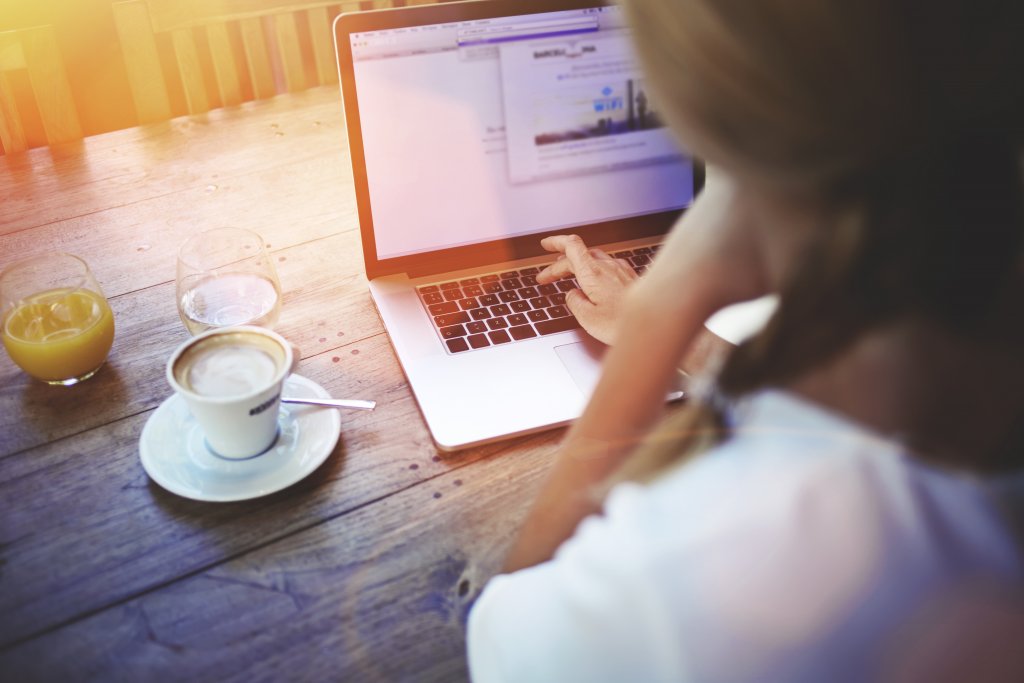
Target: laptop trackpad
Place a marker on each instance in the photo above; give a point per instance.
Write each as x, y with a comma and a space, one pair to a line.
583, 361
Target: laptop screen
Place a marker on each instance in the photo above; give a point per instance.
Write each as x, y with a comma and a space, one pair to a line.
482, 130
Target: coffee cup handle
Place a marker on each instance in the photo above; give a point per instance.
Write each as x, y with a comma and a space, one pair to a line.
296, 357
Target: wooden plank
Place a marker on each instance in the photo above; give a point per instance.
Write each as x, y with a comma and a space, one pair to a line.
175, 14
377, 594
228, 82
50, 84
289, 49
134, 246
141, 59
325, 305
116, 169
12, 56
191, 71
323, 45
257, 58
12, 132
70, 509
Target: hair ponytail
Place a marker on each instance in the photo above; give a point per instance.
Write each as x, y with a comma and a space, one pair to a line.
928, 183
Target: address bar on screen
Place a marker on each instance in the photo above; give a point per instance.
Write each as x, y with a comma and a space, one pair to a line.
539, 29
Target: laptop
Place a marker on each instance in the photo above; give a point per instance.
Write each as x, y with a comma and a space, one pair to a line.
476, 129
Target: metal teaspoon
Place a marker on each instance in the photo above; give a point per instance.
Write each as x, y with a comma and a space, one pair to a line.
334, 403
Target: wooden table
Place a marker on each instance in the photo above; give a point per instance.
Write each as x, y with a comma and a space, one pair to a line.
365, 570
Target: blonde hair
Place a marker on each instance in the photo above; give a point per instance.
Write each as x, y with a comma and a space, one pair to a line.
907, 119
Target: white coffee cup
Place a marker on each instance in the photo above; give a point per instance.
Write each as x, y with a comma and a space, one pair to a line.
231, 380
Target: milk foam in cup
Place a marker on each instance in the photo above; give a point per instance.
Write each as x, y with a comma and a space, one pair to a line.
231, 380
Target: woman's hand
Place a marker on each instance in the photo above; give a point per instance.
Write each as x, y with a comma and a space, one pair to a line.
603, 281
714, 257
716, 252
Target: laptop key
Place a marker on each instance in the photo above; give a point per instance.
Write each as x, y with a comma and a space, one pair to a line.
642, 250
427, 289
493, 287
489, 300
529, 271
433, 298
467, 304
497, 323
528, 280
640, 260
537, 316
558, 299
511, 283
499, 337
557, 325
520, 319
469, 281
476, 327
479, 341
522, 332
509, 273
453, 319
441, 309
558, 311
528, 293
547, 289
500, 309
480, 314
520, 306
540, 302
472, 290
457, 345
508, 297
453, 331
566, 285
450, 285
453, 294
622, 254
489, 278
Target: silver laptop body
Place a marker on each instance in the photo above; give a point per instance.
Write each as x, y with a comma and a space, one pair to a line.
475, 129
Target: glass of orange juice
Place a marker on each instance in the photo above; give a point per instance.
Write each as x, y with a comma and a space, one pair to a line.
57, 325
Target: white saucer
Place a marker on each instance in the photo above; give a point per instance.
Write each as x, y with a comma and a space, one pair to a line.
174, 452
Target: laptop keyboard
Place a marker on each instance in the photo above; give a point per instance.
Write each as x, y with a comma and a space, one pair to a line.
508, 306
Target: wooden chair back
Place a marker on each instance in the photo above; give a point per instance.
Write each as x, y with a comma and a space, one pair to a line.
269, 32
35, 51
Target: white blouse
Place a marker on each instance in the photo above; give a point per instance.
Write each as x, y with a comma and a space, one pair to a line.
803, 549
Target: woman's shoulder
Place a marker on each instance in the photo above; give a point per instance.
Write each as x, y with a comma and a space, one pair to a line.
799, 474
800, 533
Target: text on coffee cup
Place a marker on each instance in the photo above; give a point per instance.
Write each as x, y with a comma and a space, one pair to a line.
269, 403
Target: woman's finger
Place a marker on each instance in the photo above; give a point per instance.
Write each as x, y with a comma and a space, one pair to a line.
600, 321
556, 271
625, 265
573, 248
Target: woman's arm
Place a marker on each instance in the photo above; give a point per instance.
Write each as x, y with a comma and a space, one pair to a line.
709, 261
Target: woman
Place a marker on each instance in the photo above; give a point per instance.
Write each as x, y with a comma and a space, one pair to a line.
847, 494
